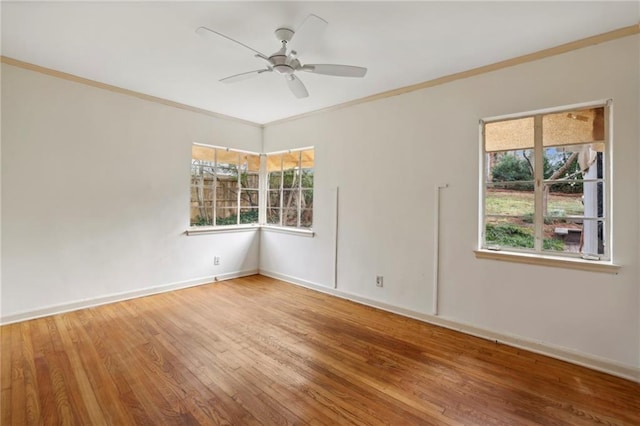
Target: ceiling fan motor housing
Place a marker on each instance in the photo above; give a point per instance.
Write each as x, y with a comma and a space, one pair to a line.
280, 60
284, 34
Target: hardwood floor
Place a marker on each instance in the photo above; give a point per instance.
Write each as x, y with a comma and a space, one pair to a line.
260, 351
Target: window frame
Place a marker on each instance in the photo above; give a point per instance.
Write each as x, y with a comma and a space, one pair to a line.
537, 254
239, 190
262, 196
281, 189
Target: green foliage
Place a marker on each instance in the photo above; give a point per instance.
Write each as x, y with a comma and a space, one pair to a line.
548, 169
231, 220
510, 235
511, 168
202, 221
553, 244
291, 177
250, 216
528, 218
573, 171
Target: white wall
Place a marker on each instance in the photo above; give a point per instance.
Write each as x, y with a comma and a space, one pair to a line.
95, 195
386, 156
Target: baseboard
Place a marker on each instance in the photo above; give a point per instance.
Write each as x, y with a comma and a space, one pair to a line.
590, 361
118, 297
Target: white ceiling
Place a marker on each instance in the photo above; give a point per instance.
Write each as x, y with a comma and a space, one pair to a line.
152, 48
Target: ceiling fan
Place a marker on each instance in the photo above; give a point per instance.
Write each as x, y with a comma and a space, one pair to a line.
285, 61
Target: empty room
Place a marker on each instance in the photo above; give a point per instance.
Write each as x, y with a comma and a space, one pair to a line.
324, 213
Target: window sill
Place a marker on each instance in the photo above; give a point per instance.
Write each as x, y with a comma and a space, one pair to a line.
200, 230
534, 259
285, 230
221, 229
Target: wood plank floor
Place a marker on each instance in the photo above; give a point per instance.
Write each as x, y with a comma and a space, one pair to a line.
260, 351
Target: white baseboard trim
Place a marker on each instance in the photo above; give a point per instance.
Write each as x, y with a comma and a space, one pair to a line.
118, 297
564, 354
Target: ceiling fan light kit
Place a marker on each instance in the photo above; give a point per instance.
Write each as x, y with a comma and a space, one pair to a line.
285, 61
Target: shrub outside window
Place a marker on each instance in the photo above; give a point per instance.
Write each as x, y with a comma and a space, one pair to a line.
545, 183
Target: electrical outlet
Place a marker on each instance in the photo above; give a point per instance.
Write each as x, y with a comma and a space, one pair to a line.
216, 260
379, 281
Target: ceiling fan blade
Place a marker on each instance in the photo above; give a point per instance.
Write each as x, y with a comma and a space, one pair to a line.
296, 86
336, 70
244, 75
213, 35
309, 32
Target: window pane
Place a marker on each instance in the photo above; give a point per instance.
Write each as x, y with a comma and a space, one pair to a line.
308, 159
307, 198
274, 179
249, 198
510, 200
509, 135
250, 171
571, 162
574, 172
273, 199
273, 216
226, 216
250, 180
574, 236
306, 218
253, 162
291, 160
307, 178
593, 237
224, 156
227, 190
203, 153
249, 215
289, 198
510, 166
228, 173
201, 168
290, 178
509, 233
201, 214
290, 217
274, 163
564, 199
202, 191
572, 127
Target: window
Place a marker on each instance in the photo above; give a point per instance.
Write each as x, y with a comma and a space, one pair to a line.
290, 188
544, 183
224, 186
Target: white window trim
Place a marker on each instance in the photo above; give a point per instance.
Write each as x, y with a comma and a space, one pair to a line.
283, 228
200, 230
304, 232
566, 260
553, 261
